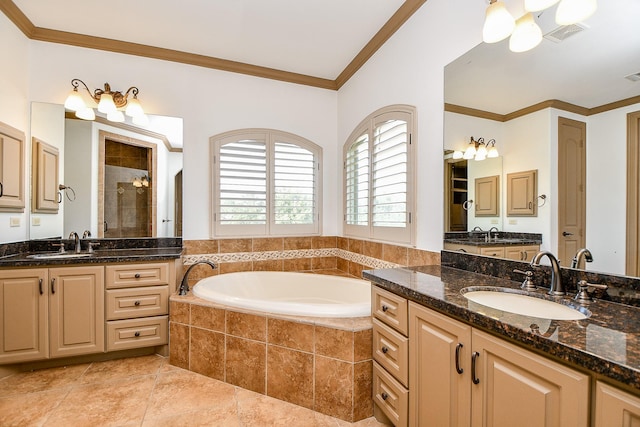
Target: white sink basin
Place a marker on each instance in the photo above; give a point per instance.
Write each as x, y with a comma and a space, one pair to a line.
57, 255
513, 301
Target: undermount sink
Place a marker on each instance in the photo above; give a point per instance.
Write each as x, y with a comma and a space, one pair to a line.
58, 255
524, 304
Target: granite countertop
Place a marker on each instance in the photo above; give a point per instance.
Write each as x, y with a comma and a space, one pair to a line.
99, 256
606, 343
493, 242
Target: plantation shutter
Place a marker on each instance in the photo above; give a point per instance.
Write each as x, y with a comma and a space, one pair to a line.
357, 180
295, 181
242, 201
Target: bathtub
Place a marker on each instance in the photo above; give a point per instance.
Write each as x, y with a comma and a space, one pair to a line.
303, 294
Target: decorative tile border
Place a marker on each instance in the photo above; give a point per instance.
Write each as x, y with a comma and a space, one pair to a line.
293, 254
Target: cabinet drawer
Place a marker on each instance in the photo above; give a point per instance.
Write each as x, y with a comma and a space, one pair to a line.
135, 333
390, 309
128, 303
390, 396
493, 251
126, 276
391, 351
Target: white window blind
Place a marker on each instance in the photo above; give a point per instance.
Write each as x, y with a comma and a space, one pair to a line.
390, 174
243, 183
357, 177
265, 182
295, 183
378, 177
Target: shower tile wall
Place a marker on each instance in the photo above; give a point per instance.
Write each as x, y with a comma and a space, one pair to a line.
127, 208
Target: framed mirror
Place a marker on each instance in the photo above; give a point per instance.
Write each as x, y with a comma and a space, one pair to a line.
589, 76
116, 179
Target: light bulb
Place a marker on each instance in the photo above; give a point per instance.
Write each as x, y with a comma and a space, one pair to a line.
526, 35
498, 23
572, 11
106, 104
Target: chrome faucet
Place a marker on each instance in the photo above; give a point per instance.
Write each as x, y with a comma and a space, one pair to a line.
184, 285
582, 253
491, 230
557, 287
73, 235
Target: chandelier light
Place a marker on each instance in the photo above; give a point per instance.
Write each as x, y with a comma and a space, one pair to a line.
111, 103
478, 150
498, 23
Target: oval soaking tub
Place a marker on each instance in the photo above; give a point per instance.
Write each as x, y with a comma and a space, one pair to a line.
303, 294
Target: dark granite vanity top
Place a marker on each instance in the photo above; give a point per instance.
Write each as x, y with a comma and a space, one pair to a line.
108, 250
481, 238
606, 343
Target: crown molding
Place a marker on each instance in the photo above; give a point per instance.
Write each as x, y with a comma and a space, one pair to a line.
20, 20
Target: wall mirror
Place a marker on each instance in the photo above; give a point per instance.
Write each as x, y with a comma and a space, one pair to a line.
116, 179
517, 98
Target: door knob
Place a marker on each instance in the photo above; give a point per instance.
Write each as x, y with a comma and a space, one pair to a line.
566, 233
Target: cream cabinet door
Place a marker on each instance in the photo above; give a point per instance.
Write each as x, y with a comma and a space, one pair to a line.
23, 315
76, 306
521, 253
11, 169
615, 407
516, 387
439, 366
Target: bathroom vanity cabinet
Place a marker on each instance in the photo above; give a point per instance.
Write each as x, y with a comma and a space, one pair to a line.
516, 252
51, 312
477, 374
77, 310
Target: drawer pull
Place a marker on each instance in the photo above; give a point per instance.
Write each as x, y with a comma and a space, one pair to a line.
459, 370
474, 359
137, 275
385, 308
53, 285
40, 286
137, 303
385, 349
137, 334
384, 396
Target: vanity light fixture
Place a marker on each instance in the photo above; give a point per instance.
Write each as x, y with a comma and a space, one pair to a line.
478, 150
111, 103
141, 182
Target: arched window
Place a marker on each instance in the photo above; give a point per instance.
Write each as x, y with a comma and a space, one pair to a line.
379, 176
265, 183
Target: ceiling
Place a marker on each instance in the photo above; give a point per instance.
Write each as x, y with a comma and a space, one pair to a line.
587, 69
315, 42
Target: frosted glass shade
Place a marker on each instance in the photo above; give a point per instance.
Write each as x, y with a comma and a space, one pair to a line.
115, 116
536, 5
469, 152
106, 104
74, 101
134, 109
493, 153
526, 35
498, 23
572, 11
86, 113
457, 154
141, 120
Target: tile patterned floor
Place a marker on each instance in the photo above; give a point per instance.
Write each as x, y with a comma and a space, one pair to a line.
144, 391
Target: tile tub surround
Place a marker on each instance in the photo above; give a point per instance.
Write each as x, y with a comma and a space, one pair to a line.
320, 364
307, 253
605, 345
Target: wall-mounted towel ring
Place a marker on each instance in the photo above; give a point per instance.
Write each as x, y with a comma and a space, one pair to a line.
66, 190
543, 197
466, 205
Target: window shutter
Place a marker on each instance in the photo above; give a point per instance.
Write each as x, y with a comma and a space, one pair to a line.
390, 174
357, 177
294, 185
243, 183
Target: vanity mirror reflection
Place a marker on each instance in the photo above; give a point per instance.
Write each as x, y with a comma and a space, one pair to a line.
116, 179
518, 99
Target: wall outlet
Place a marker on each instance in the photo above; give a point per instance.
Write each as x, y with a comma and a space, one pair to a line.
35, 221
513, 222
14, 221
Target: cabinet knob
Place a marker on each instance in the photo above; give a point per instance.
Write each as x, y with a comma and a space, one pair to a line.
137, 275
385, 349
385, 308
137, 334
384, 396
137, 303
